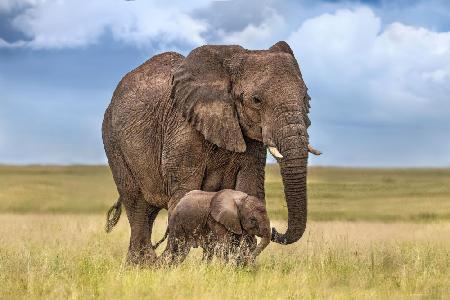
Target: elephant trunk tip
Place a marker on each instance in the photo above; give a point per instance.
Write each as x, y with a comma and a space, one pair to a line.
314, 151
287, 238
278, 238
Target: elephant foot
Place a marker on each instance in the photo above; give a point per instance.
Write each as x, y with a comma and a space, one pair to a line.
247, 246
144, 257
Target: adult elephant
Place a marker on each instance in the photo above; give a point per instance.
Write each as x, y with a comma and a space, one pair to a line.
203, 122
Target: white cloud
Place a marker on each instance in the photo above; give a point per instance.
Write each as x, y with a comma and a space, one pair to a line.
9, 5
361, 72
69, 23
257, 37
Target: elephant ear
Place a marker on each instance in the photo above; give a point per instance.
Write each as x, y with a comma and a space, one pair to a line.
225, 211
201, 88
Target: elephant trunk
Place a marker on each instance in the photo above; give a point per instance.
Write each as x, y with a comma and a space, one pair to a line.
261, 246
292, 140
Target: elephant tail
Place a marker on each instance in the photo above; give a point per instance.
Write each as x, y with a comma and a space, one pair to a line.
113, 215
161, 240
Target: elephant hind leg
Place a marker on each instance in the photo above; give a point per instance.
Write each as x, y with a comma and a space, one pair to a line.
176, 251
141, 216
140, 213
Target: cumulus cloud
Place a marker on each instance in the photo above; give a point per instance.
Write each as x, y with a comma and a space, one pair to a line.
376, 85
254, 24
256, 36
7, 6
385, 74
69, 23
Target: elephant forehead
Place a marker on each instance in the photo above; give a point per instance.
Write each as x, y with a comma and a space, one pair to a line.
270, 62
255, 207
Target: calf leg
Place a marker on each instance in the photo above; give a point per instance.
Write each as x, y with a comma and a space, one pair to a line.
246, 247
175, 253
208, 251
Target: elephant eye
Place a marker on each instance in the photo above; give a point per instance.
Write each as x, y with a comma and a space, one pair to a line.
253, 222
256, 100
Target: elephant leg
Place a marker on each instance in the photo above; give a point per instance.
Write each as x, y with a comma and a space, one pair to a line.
141, 216
208, 252
175, 253
246, 247
139, 212
221, 251
234, 247
208, 255
168, 255
250, 178
181, 254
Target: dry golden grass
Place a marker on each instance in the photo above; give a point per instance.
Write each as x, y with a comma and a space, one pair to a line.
69, 256
374, 234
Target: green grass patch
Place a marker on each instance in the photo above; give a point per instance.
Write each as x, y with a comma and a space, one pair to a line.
416, 195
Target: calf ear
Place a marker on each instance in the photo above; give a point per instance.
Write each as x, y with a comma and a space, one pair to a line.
225, 211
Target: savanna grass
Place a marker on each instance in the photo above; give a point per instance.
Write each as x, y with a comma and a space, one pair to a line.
388, 195
374, 234
69, 256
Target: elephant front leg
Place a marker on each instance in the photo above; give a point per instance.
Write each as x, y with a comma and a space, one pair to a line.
246, 248
179, 187
208, 245
250, 178
235, 246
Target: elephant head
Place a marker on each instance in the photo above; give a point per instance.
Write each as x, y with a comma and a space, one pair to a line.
228, 93
238, 211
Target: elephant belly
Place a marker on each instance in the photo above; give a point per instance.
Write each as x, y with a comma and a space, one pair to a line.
213, 181
156, 199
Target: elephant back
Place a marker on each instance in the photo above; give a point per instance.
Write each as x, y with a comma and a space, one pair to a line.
192, 210
146, 86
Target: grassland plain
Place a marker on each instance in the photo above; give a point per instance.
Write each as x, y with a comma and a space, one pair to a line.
334, 193
374, 234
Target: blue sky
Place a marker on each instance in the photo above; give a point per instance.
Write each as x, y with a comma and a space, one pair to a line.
378, 71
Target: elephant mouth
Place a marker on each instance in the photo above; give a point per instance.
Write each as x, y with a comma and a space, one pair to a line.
276, 153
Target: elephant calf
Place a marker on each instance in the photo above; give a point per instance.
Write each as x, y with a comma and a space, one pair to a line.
219, 222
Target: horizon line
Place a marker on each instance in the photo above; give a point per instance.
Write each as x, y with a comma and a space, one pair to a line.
268, 163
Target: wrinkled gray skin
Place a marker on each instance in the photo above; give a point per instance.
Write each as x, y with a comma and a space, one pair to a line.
203, 122
218, 222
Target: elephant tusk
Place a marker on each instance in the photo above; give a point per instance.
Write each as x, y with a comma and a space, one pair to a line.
313, 151
274, 151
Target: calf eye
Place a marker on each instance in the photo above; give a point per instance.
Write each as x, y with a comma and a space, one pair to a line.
256, 100
254, 222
